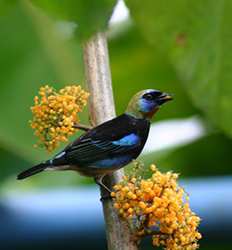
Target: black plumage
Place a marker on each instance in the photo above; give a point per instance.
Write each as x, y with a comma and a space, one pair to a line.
111, 145
86, 153
97, 144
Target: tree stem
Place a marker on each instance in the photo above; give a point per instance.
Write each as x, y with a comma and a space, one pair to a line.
98, 79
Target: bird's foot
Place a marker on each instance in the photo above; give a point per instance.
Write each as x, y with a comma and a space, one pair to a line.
106, 194
105, 197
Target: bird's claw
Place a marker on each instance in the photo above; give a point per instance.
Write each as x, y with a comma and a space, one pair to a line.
106, 191
105, 197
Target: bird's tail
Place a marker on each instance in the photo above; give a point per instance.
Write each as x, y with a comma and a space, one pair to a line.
33, 170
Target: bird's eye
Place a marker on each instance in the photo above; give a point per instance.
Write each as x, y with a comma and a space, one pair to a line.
148, 97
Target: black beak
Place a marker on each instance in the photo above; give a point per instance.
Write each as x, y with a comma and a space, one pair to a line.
164, 97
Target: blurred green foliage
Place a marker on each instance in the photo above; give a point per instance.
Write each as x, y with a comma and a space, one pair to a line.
90, 16
183, 49
196, 37
207, 156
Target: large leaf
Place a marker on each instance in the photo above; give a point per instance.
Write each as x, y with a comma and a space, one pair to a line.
6, 5
32, 54
136, 66
196, 36
11, 163
90, 16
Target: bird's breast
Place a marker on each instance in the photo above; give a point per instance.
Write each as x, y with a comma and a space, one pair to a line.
114, 162
105, 166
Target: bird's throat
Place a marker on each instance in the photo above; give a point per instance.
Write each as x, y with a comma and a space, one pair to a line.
142, 115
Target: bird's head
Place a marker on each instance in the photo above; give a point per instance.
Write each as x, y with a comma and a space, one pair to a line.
146, 103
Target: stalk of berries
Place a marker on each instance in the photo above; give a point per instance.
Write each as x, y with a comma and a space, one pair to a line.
158, 206
55, 114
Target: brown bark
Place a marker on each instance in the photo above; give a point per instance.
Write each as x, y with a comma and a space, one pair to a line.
98, 79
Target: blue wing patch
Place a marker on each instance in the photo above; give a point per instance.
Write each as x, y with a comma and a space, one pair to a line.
103, 153
128, 140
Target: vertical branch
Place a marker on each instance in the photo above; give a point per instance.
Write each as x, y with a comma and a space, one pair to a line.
98, 78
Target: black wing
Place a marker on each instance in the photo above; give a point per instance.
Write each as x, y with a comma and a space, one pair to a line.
106, 140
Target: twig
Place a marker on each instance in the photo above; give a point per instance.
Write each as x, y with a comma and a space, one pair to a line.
98, 79
82, 126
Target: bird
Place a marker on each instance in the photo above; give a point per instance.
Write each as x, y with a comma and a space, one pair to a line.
101, 150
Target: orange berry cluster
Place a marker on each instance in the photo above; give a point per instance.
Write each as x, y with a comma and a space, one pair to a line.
55, 113
158, 206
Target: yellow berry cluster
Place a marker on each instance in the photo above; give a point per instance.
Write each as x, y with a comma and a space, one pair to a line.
55, 113
158, 206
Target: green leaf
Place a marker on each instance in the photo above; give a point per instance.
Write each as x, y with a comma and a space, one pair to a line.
90, 16
6, 5
136, 66
32, 54
11, 163
196, 36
